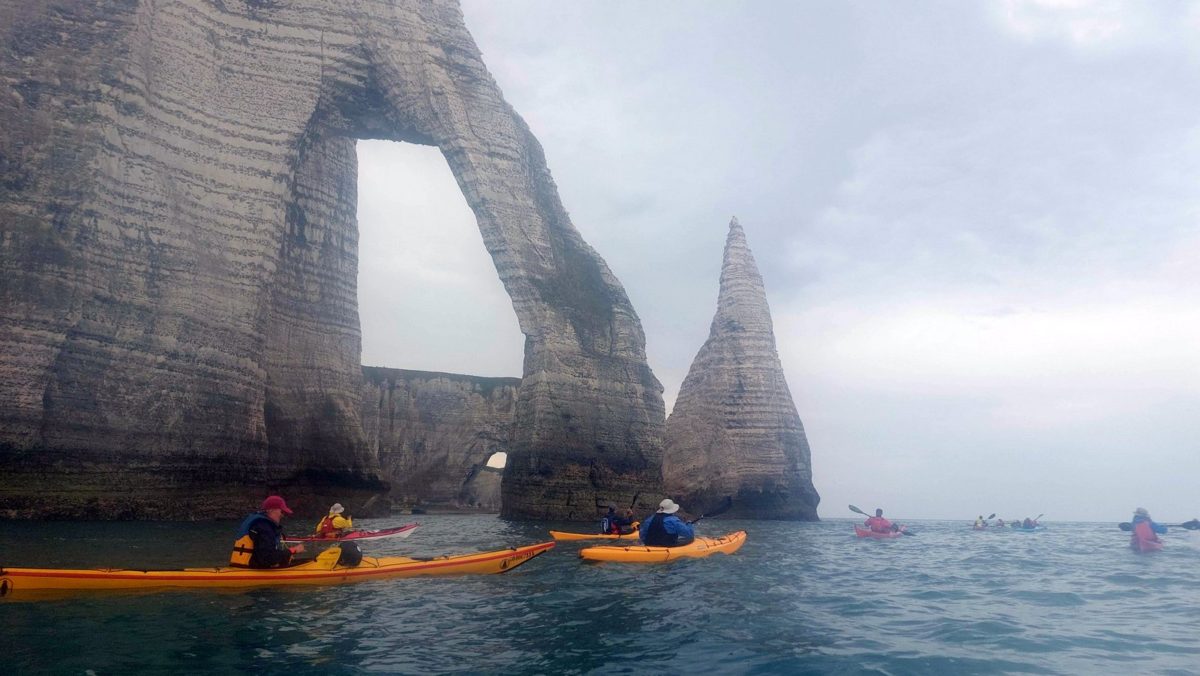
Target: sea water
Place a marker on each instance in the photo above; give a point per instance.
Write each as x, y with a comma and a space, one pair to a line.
797, 598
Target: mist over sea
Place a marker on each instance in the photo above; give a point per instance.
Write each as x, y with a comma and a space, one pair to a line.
797, 598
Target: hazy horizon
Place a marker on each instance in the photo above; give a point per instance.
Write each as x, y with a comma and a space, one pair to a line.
976, 225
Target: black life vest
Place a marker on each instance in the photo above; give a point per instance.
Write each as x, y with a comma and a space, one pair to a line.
656, 533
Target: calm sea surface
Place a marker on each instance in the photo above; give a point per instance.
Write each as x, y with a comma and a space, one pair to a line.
797, 598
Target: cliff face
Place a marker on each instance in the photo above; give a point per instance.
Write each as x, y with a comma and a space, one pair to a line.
434, 433
178, 254
734, 430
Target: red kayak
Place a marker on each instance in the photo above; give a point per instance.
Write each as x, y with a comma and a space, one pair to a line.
865, 533
398, 532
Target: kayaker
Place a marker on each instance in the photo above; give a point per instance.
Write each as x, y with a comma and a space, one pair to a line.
1145, 532
260, 540
334, 524
625, 522
980, 523
608, 523
664, 529
999, 523
1029, 524
877, 523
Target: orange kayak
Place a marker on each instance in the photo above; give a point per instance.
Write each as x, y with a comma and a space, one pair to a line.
323, 570
699, 548
563, 535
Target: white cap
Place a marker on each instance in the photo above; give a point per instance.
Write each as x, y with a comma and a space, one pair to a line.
336, 509
668, 506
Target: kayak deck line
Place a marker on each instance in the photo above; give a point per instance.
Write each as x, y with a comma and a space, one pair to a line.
494, 562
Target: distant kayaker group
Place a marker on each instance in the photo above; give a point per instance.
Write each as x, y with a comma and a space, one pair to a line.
1143, 530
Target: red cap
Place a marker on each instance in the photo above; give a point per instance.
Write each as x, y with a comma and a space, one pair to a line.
275, 502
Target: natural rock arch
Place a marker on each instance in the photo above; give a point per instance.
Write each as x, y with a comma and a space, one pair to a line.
180, 245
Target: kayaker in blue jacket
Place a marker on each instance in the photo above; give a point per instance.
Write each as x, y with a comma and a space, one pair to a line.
260, 540
664, 529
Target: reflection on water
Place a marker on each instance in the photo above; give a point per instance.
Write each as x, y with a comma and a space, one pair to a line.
796, 598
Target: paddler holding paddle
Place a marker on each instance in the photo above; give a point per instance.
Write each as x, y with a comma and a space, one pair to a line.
334, 524
878, 524
664, 529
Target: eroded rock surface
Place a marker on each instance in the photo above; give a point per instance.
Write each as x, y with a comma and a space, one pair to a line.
178, 254
434, 433
734, 430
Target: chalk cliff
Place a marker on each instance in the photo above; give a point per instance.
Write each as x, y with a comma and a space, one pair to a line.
178, 255
734, 430
434, 433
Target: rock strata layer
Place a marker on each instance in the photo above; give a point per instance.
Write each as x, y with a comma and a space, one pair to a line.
435, 432
734, 431
178, 258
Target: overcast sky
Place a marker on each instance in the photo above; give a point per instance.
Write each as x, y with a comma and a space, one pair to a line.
977, 224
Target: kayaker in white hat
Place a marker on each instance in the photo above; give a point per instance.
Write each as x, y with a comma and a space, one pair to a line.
664, 529
334, 523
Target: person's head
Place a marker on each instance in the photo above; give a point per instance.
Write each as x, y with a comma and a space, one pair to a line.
612, 509
668, 506
337, 508
878, 512
275, 507
1141, 511
981, 517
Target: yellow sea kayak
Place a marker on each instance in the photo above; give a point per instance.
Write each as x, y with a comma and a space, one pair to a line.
699, 548
563, 535
324, 570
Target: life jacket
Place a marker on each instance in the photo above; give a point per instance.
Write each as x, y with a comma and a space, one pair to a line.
878, 524
326, 527
243, 547
608, 525
1143, 534
656, 532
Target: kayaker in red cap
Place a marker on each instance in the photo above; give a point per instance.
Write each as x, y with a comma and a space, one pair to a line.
260, 540
877, 523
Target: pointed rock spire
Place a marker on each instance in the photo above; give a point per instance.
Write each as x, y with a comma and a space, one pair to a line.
735, 430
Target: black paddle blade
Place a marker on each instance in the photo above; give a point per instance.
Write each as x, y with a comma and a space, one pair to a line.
855, 509
1126, 526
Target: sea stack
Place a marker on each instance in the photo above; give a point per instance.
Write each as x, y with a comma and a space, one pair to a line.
735, 431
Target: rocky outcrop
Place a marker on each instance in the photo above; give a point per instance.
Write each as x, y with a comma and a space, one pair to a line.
178, 257
434, 433
734, 430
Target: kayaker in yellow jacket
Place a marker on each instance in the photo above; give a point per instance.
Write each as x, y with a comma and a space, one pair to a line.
334, 524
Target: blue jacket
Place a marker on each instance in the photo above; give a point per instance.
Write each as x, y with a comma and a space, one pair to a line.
673, 532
